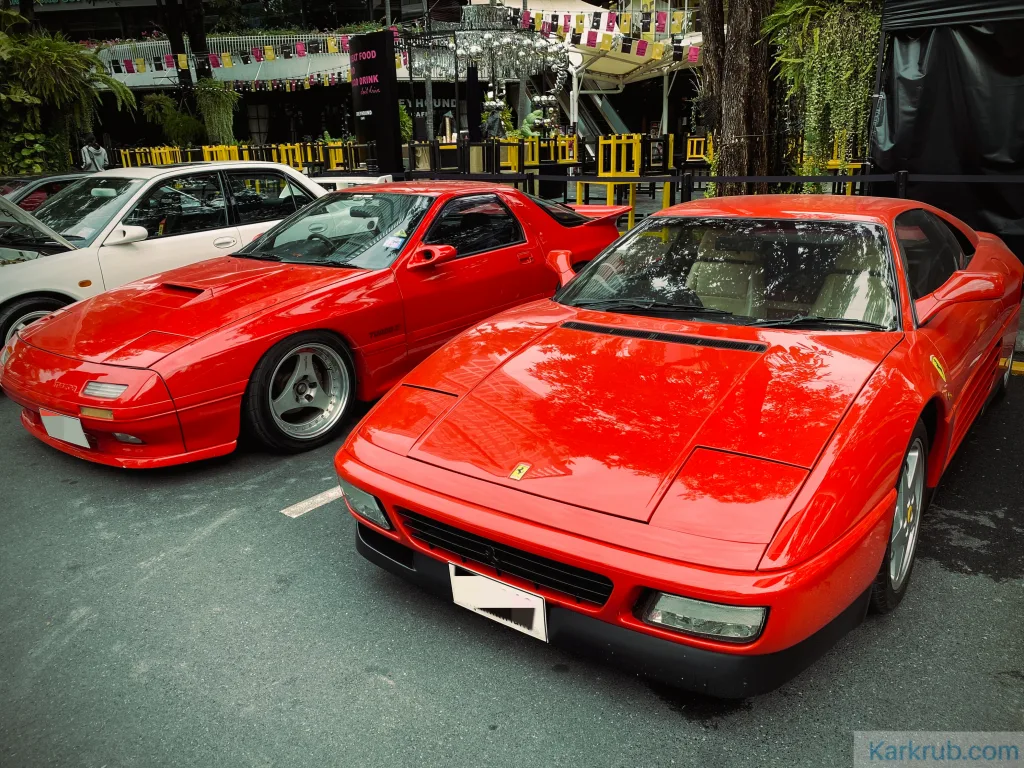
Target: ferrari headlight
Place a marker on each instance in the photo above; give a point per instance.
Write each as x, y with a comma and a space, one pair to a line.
364, 504
734, 623
103, 390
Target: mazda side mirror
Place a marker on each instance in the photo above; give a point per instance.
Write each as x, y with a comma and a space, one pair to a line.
431, 256
560, 262
961, 288
125, 234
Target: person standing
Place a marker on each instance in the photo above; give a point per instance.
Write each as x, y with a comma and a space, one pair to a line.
94, 157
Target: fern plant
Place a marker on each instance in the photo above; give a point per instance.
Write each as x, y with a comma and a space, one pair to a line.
217, 103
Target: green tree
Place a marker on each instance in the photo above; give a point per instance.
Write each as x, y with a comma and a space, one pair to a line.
49, 86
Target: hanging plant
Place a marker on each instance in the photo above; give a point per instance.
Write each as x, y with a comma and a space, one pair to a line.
180, 129
217, 103
404, 123
826, 53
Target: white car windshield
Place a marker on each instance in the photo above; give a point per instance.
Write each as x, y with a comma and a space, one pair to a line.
345, 229
749, 271
81, 210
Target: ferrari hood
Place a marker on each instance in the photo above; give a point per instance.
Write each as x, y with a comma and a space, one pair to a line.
140, 323
602, 410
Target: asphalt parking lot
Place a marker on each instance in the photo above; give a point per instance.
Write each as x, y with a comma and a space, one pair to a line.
178, 618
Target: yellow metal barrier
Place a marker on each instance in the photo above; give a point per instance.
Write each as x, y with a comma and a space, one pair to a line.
619, 155
696, 148
609, 191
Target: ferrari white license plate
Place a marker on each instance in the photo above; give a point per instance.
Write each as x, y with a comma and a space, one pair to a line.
66, 428
499, 602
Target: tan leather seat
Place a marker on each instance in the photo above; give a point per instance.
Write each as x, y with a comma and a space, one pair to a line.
728, 280
856, 288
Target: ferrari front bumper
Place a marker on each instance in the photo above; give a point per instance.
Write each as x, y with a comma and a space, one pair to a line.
713, 673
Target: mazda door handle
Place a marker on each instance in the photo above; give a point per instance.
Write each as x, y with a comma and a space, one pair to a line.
224, 242
526, 258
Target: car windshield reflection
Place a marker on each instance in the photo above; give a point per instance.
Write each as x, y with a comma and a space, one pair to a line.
345, 229
777, 273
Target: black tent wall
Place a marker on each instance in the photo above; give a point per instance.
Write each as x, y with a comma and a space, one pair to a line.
916, 14
953, 103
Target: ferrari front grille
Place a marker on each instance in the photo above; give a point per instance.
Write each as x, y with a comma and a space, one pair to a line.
583, 585
670, 338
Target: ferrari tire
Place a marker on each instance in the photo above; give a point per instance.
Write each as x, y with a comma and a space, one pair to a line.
23, 312
912, 497
1004, 379
300, 393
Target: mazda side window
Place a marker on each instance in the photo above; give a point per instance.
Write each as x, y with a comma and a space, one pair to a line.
929, 250
181, 206
474, 225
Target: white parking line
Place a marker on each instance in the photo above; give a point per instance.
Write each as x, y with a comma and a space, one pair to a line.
296, 510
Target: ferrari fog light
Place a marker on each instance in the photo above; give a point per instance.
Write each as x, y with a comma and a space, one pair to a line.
104, 391
96, 413
364, 504
124, 438
695, 617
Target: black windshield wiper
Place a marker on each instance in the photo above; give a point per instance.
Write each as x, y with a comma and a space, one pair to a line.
257, 255
671, 306
811, 320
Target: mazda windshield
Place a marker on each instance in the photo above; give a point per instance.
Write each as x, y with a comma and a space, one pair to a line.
366, 230
750, 271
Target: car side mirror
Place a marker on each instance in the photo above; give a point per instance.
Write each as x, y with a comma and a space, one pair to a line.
125, 234
431, 256
961, 288
560, 262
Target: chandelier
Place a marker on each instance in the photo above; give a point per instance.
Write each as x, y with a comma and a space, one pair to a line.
487, 37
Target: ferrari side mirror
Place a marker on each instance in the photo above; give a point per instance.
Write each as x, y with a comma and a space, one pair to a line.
961, 288
560, 262
431, 256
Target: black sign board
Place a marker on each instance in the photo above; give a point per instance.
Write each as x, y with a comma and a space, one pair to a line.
375, 96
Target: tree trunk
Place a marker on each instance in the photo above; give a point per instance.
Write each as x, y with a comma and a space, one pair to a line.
713, 30
27, 9
742, 145
196, 30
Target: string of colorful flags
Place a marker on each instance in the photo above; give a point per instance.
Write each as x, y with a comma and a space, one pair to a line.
637, 33
636, 36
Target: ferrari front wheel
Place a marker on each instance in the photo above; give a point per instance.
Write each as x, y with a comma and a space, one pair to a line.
911, 495
300, 392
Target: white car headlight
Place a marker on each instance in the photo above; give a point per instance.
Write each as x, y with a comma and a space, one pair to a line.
734, 623
103, 390
364, 504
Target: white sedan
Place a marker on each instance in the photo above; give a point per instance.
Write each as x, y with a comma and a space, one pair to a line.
124, 224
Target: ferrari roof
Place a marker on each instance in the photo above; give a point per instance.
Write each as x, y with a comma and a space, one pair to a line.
428, 187
796, 207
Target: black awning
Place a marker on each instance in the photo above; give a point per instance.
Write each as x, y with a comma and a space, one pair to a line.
911, 14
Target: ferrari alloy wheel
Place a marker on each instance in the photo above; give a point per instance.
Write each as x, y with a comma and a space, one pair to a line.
21, 314
911, 497
300, 392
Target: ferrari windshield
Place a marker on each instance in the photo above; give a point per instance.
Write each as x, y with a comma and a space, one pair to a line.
366, 230
750, 271
81, 210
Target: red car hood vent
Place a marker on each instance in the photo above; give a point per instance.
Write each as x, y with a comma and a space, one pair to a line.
605, 419
140, 323
669, 338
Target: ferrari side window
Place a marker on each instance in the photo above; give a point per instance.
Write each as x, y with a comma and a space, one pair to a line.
180, 206
931, 253
474, 225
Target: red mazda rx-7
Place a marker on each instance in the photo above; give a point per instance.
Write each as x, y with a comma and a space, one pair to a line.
710, 453
334, 304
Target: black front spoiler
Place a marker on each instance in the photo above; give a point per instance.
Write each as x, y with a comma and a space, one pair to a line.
723, 675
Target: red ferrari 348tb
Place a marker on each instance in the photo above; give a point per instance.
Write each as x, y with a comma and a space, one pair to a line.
711, 451
334, 304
